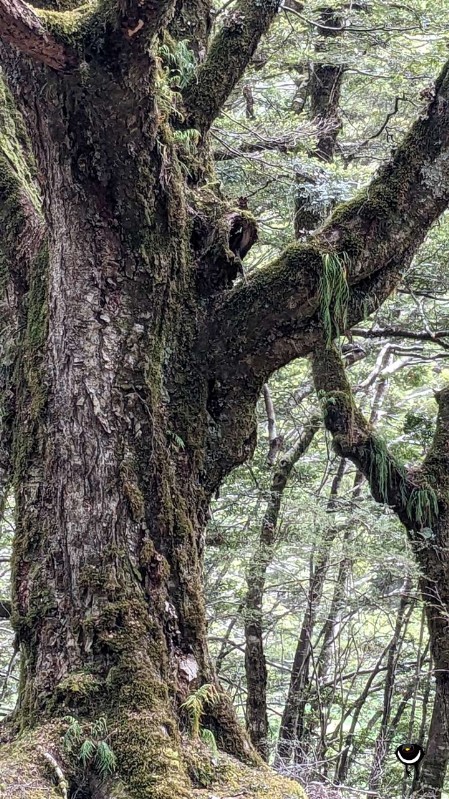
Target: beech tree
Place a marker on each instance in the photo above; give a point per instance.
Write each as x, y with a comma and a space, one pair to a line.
133, 357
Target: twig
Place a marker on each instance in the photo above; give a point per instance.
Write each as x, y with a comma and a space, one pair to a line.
62, 782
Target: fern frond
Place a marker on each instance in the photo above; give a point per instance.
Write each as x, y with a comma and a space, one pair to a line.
195, 705
99, 727
209, 739
105, 760
334, 293
73, 733
87, 750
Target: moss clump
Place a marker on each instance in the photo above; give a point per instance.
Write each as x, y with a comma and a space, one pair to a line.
24, 772
146, 739
232, 777
78, 685
132, 491
82, 27
200, 763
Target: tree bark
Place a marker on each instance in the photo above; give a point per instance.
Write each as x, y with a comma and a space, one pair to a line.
136, 368
291, 728
325, 87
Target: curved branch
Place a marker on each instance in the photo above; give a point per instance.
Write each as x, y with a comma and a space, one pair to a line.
21, 27
352, 435
230, 53
379, 232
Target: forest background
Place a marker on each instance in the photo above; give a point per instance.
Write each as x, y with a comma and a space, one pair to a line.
325, 580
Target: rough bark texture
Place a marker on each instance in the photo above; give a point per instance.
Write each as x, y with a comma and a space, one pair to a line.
22, 28
126, 407
325, 87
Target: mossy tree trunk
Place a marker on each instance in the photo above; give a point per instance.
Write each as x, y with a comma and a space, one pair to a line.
134, 364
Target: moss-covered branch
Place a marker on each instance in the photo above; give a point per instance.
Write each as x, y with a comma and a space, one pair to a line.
230, 53
409, 492
22, 28
275, 316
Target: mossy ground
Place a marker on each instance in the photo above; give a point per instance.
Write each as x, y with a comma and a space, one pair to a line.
25, 774
232, 778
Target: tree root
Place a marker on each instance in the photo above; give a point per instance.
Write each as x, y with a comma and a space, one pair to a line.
35, 767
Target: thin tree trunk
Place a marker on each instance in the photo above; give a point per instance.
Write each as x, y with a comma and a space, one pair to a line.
382, 741
301, 661
255, 665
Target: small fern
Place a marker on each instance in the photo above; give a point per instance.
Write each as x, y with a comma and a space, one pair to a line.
187, 139
380, 468
91, 749
179, 60
86, 752
334, 293
208, 738
72, 735
195, 705
105, 760
100, 727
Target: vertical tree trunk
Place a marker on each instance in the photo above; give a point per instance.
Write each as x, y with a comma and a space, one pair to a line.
435, 592
255, 666
108, 439
288, 731
382, 742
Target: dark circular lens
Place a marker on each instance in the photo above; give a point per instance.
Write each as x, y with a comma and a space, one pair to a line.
409, 753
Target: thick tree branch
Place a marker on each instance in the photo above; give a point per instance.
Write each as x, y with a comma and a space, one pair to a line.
229, 55
22, 28
355, 439
378, 233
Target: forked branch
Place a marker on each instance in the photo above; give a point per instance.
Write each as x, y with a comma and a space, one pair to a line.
276, 315
228, 57
22, 28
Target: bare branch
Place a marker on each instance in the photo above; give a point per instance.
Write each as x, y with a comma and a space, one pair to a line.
5, 609
284, 143
438, 337
229, 55
22, 28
